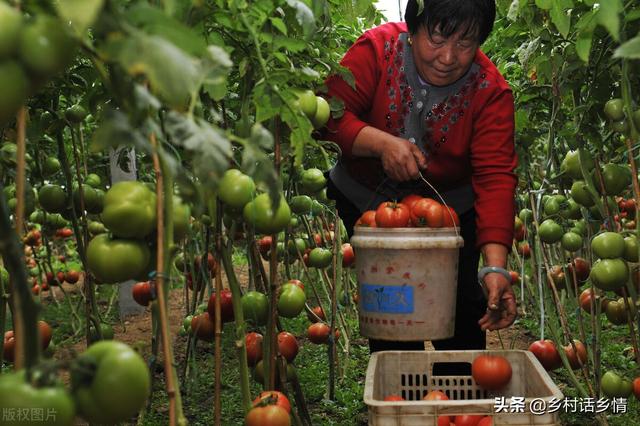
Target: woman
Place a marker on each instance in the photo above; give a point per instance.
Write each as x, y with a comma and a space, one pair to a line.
427, 102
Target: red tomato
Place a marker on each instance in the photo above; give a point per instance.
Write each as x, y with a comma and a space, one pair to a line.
203, 327
72, 276
226, 306
571, 354
519, 234
392, 215
547, 354
318, 333
318, 312
444, 421
368, 218
636, 387
9, 352
583, 268
467, 420
393, 398
436, 395
287, 345
515, 277
60, 277
269, 415
427, 213
585, 300
44, 287
273, 398
142, 293
50, 277
253, 343
491, 372
449, 217
348, 256
524, 249
35, 290
264, 245
486, 421
211, 262
410, 200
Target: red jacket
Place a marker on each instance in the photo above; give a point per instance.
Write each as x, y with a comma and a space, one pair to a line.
469, 137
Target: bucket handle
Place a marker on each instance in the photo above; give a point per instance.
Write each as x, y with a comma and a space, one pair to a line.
443, 202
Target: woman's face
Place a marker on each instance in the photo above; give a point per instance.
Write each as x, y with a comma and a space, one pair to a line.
442, 61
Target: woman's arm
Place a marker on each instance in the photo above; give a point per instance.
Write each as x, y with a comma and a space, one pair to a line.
501, 301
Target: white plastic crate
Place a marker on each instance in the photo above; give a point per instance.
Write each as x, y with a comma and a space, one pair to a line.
409, 374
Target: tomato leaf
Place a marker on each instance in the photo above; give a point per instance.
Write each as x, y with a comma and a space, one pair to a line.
210, 145
215, 69
279, 25
629, 49
155, 22
257, 163
608, 17
560, 19
514, 10
544, 4
81, 13
304, 16
173, 75
116, 129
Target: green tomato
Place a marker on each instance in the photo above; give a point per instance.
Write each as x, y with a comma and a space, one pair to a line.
296, 245
616, 178
308, 103
236, 189
320, 257
571, 241
255, 307
621, 126
636, 118
75, 114
631, 249
119, 387
45, 46
291, 301
14, 86
10, 27
312, 180
609, 274
316, 208
130, 210
52, 198
571, 164
93, 199
117, 260
105, 330
301, 204
37, 217
96, 228
551, 207
322, 113
16, 395
614, 109
51, 166
186, 323
93, 180
260, 214
181, 218
608, 245
526, 216
581, 194
614, 386
550, 232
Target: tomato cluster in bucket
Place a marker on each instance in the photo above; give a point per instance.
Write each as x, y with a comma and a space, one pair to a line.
412, 211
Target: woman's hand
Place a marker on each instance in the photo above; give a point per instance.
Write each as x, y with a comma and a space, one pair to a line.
401, 160
501, 303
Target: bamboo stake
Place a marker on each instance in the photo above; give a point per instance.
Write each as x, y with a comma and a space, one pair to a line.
218, 321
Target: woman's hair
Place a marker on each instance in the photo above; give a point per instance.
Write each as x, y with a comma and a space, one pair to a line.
474, 17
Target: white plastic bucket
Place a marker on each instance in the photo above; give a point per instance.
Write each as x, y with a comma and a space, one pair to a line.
407, 282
